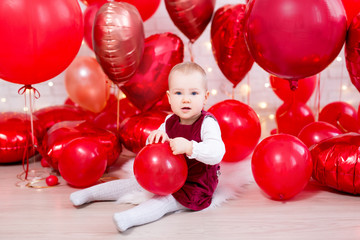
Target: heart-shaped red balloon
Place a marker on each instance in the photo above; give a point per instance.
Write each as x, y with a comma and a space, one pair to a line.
15, 136
135, 130
190, 16
150, 82
118, 40
60, 134
228, 42
336, 162
48, 116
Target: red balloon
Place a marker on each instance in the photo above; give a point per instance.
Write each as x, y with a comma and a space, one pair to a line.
315, 132
292, 117
336, 162
228, 42
282, 166
149, 85
352, 55
136, 129
62, 133
333, 112
83, 162
240, 128
126, 108
190, 16
146, 8
16, 137
89, 18
162, 105
48, 116
118, 40
302, 93
352, 8
40, 38
159, 171
294, 39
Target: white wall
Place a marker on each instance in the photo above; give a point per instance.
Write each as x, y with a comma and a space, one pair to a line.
335, 82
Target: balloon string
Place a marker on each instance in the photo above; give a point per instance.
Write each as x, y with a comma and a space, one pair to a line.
118, 110
233, 93
341, 81
190, 51
248, 91
27, 90
317, 97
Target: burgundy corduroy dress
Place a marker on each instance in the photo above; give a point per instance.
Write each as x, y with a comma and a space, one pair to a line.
202, 178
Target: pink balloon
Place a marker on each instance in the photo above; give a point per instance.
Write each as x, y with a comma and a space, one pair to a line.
158, 170
294, 39
292, 117
282, 166
336, 162
302, 93
118, 40
352, 55
240, 128
228, 42
86, 84
190, 16
333, 112
149, 85
39, 40
315, 132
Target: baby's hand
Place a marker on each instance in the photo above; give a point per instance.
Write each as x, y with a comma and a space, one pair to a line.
181, 145
156, 136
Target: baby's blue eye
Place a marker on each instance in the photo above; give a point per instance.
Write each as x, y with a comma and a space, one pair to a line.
177, 93
194, 93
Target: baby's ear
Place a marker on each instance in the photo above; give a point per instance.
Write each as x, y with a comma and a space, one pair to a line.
207, 93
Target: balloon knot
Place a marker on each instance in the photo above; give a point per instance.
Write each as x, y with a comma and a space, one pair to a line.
293, 84
26, 87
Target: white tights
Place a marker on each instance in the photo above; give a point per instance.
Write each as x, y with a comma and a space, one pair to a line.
146, 212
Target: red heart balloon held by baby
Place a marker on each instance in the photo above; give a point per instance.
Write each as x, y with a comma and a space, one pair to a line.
150, 82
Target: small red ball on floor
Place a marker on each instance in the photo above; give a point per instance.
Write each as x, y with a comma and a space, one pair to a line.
52, 180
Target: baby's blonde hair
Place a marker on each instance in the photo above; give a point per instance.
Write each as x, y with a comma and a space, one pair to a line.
187, 68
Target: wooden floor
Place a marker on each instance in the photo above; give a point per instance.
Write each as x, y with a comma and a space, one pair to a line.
315, 213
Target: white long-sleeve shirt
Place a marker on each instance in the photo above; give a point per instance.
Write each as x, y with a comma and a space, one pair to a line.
211, 149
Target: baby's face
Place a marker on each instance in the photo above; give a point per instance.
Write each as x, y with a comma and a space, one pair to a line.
187, 96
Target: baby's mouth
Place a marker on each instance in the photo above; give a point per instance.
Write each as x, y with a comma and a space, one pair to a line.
186, 108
